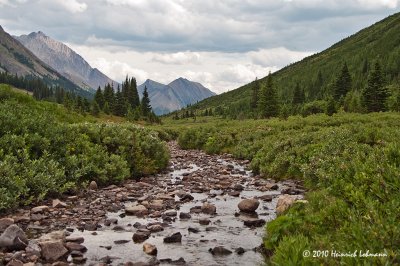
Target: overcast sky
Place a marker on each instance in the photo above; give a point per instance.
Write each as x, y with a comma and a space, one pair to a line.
221, 44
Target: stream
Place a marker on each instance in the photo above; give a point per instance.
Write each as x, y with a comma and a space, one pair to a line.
197, 196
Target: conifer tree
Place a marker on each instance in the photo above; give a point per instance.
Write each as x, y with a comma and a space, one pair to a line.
95, 109
343, 83
119, 106
109, 96
298, 95
255, 94
145, 106
99, 98
268, 101
375, 94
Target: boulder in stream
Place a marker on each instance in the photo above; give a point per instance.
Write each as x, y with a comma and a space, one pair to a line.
174, 238
248, 205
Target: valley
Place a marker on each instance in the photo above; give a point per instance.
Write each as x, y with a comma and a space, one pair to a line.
298, 167
192, 198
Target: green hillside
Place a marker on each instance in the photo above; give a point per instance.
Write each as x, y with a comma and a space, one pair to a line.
316, 74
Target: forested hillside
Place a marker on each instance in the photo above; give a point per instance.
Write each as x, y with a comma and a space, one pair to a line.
322, 77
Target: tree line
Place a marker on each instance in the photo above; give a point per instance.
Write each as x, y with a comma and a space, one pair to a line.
123, 102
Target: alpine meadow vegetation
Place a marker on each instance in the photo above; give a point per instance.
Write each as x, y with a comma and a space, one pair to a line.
46, 150
349, 163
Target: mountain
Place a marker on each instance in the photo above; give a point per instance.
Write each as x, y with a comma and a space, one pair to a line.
316, 74
63, 59
16, 59
174, 96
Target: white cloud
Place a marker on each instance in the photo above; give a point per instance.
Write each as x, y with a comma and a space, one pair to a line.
72, 6
179, 58
221, 44
277, 57
118, 70
371, 4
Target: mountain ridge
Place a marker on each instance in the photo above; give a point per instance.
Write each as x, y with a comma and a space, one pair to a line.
65, 60
16, 59
380, 41
165, 98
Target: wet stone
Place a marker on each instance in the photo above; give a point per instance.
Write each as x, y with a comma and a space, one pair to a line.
184, 216
174, 238
204, 221
220, 251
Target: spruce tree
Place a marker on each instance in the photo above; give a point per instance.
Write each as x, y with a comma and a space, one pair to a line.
119, 106
255, 93
95, 109
145, 106
343, 83
298, 95
109, 96
375, 94
268, 102
99, 98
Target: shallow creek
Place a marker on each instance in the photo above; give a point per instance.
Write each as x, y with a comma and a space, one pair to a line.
191, 172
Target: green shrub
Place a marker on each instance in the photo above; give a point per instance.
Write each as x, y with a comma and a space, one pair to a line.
42, 155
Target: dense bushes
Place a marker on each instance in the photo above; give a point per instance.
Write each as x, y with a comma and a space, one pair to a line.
40, 156
350, 163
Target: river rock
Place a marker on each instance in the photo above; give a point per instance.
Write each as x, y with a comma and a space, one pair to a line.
141, 235
13, 238
59, 204
272, 186
15, 262
93, 185
193, 230
40, 209
53, 250
248, 205
5, 222
174, 238
110, 221
180, 261
234, 193
238, 187
71, 246
171, 213
220, 251
208, 208
265, 197
204, 221
184, 216
155, 228
56, 235
75, 239
186, 198
138, 210
254, 222
150, 249
156, 204
284, 202
240, 250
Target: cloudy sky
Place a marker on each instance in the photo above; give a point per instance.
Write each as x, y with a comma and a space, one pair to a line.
221, 43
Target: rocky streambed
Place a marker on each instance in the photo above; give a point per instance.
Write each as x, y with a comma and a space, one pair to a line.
205, 210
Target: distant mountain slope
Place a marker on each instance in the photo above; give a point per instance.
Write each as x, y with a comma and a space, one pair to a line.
189, 92
174, 96
16, 59
64, 60
316, 73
